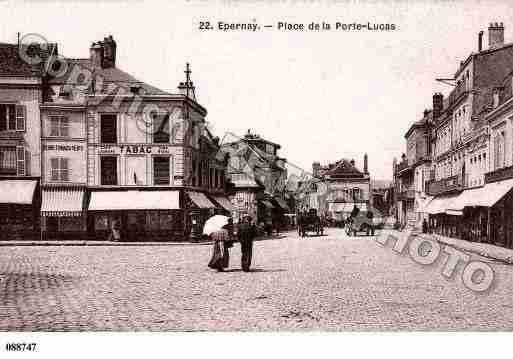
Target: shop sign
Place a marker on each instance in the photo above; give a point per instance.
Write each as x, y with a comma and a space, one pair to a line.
74, 148
134, 149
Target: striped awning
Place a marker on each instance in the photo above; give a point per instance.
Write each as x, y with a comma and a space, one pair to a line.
62, 202
200, 200
225, 203
17, 191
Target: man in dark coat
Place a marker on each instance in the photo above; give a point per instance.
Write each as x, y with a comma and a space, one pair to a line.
247, 233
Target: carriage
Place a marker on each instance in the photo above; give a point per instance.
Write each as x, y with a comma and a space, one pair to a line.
360, 222
310, 222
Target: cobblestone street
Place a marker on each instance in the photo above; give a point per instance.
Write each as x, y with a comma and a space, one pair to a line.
319, 283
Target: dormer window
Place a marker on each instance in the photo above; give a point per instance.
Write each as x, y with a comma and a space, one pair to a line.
135, 90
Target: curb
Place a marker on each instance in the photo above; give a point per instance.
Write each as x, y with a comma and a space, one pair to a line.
97, 244
470, 247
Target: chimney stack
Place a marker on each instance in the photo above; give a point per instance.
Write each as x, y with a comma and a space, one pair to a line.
426, 113
480, 41
438, 104
495, 35
316, 166
352, 162
365, 164
109, 52
96, 54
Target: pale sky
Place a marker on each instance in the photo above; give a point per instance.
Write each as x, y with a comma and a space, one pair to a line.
321, 95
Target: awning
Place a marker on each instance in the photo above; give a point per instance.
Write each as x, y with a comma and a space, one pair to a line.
282, 204
17, 191
200, 200
62, 202
225, 203
134, 200
267, 204
346, 207
492, 193
440, 204
422, 203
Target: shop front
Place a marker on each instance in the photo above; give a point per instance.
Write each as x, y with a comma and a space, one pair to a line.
199, 209
63, 215
19, 209
135, 215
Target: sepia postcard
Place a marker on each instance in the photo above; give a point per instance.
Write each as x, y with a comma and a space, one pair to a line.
297, 168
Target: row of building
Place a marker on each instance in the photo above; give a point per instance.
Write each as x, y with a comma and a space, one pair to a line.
86, 147
457, 172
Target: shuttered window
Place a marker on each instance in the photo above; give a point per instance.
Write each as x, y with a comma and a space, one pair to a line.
161, 128
59, 169
108, 128
20, 117
161, 170
109, 170
20, 161
8, 117
59, 126
8, 164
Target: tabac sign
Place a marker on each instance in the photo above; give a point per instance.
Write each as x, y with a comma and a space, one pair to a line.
133, 149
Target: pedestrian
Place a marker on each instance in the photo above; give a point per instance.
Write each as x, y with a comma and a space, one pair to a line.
220, 248
424, 226
370, 217
247, 233
115, 230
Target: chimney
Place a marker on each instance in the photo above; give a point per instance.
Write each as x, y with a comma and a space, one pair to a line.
438, 105
316, 166
495, 35
365, 164
109, 52
426, 113
352, 162
96, 54
480, 41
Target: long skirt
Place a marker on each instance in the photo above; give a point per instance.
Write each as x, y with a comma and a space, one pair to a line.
220, 256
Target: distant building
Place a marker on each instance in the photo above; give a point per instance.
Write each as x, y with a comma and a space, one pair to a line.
258, 176
338, 187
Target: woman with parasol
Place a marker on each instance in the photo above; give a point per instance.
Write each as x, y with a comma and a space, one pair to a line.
220, 230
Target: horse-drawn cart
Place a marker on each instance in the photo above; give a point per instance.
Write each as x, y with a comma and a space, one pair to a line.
310, 222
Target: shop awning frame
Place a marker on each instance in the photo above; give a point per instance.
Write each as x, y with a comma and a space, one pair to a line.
17, 191
225, 203
134, 200
200, 200
62, 202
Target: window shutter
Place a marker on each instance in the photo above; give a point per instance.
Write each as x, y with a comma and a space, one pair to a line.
64, 126
64, 169
54, 163
20, 160
20, 117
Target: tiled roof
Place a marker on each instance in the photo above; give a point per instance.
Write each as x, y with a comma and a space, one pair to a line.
110, 76
344, 168
11, 64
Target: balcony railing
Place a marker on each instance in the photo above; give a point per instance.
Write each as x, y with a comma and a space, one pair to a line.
402, 166
406, 194
449, 184
499, 174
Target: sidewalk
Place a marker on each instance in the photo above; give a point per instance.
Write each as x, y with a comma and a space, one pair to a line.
483, 249
112, 243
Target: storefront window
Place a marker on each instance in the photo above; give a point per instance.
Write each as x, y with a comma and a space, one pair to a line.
71, 224
101, 222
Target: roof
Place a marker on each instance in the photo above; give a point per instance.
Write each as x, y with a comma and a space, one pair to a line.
343, 168
108, 76
11, 64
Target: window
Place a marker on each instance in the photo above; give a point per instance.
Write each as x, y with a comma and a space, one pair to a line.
8, 160
59, 126
12, 117
109, 170
161, 170
356, 194
59, 169
108, 127
161, 128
